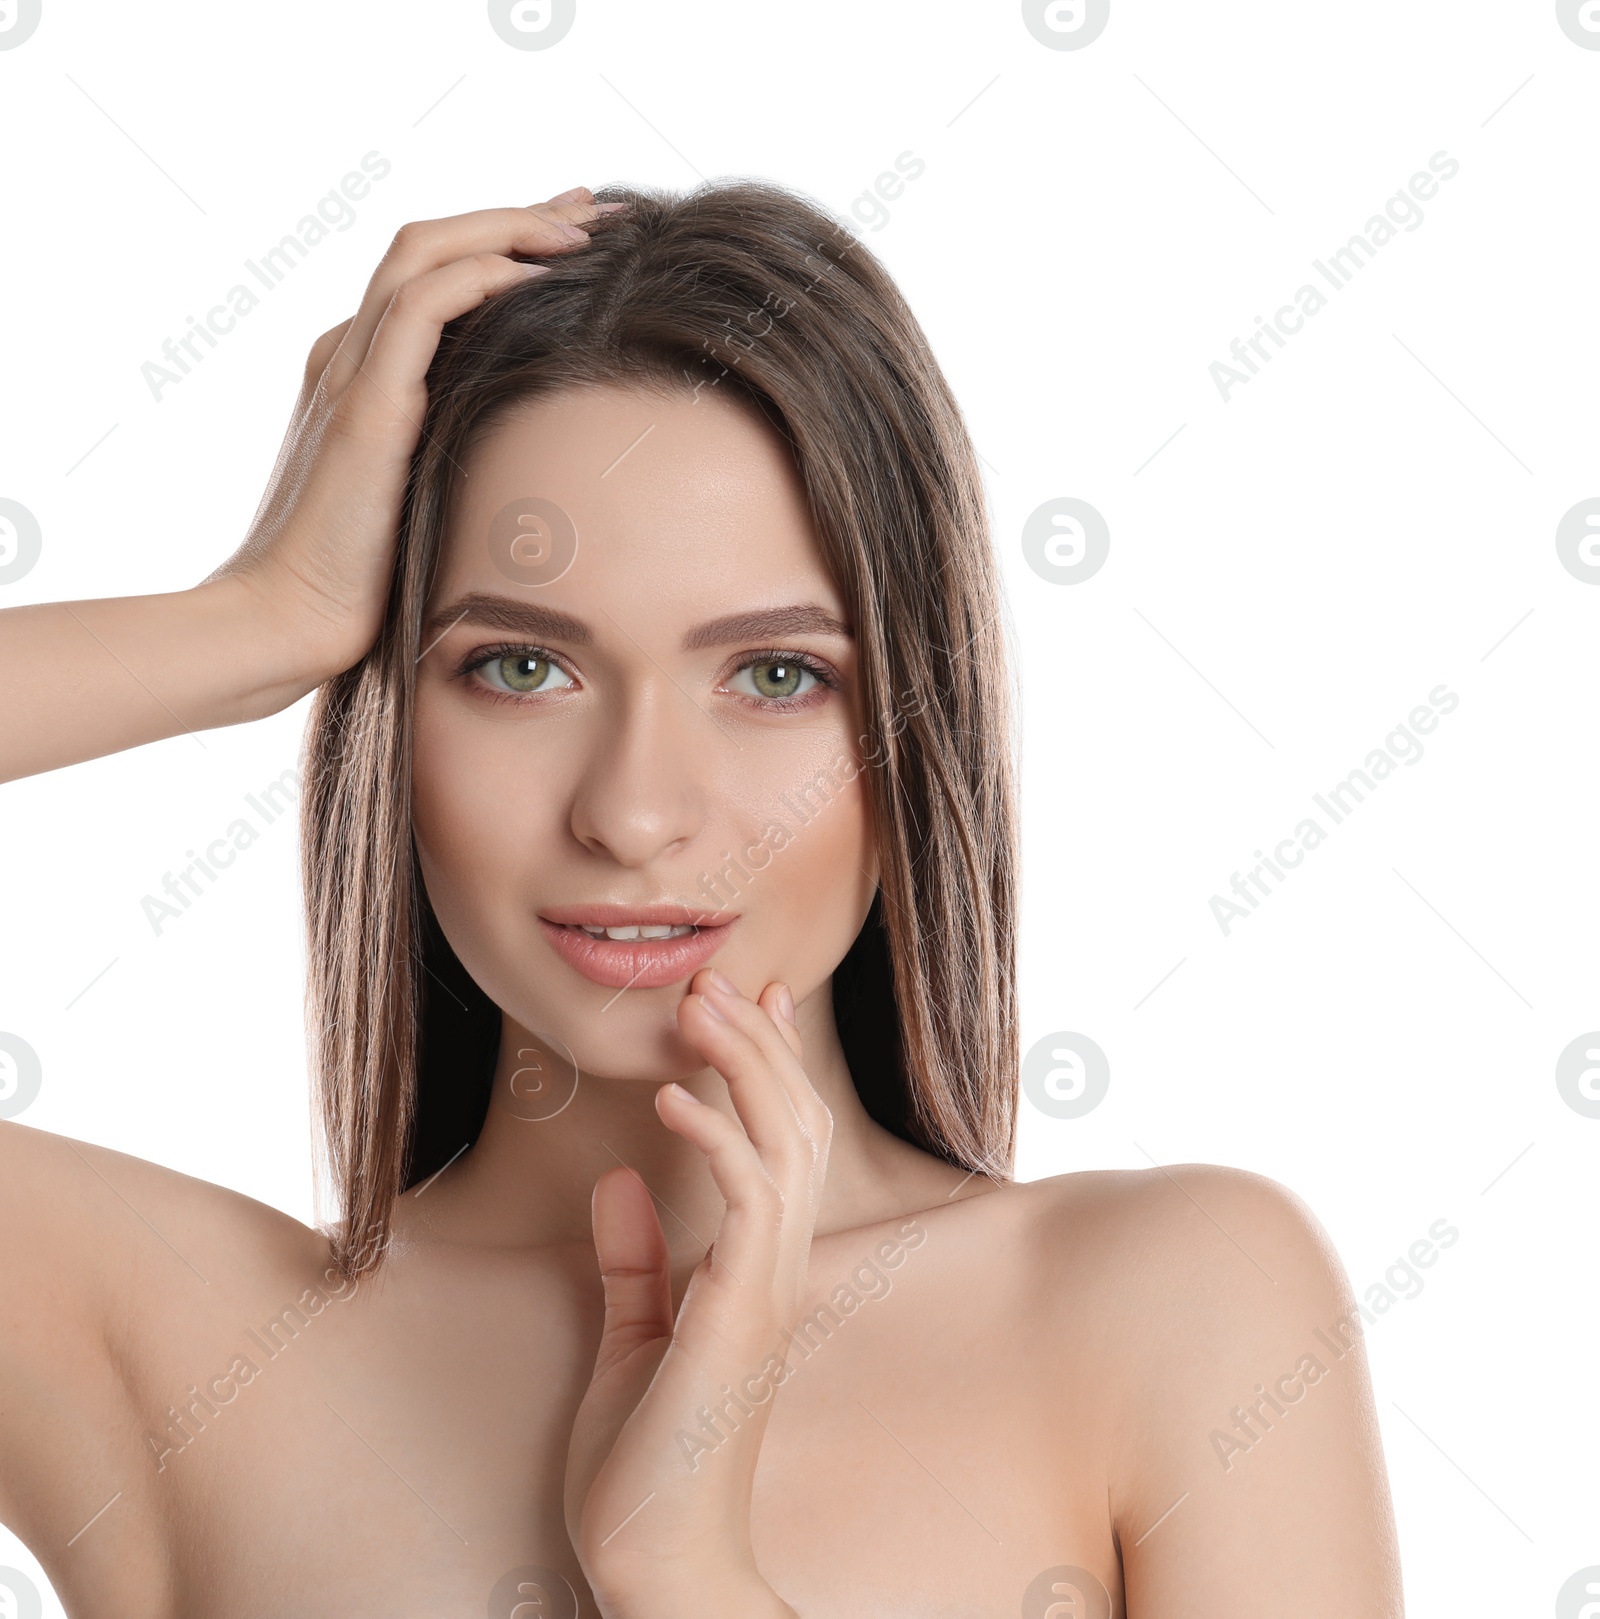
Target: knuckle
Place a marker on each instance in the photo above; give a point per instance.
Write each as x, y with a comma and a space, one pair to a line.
410, 237
815, 1120
794, 1156
404, 299
768, 1199
323, 350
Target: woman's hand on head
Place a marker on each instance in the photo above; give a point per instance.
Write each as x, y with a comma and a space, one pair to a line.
320, 551
303, 597
657, 1502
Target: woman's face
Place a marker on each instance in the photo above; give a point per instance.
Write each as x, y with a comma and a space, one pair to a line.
594, 728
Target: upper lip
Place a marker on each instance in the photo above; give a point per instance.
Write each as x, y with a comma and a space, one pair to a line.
619, 915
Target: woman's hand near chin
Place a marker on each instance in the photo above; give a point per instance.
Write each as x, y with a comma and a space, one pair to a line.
657, 1505
303, 597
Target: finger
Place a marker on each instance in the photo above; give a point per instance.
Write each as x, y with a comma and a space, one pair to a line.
725, 1036
771, 1001
780, 1041
316, 362
746, 1251
801, 1171
772, 1014
322, 351
425, 245
389, 384
791, 1143
583, 194
777, 1001
636, 1277
634, 1267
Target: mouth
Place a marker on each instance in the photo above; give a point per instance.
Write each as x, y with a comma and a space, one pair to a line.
637, 947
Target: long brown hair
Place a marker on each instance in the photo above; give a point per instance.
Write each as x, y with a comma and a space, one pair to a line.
749, 288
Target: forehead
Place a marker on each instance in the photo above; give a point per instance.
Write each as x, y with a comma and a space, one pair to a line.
659, 501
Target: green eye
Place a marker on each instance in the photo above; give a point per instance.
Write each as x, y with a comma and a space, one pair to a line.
778, 679
522, 673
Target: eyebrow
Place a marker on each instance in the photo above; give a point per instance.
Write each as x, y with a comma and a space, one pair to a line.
527, 618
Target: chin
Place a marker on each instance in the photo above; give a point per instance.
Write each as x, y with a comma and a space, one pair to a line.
637, 1038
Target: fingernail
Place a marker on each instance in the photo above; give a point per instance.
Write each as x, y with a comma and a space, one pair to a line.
707, 1004
688, 1096
722, 983
534, 269
786, 1002
573, 234
612, 207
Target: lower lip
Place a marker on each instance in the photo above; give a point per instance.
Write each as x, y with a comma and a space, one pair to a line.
635, 963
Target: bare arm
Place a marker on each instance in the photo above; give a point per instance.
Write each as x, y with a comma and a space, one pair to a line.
1249, 1481
303, 597
87, 678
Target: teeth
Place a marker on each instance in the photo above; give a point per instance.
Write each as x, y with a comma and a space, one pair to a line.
650, 930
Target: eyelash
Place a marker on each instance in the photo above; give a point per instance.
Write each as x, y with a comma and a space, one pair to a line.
824, 674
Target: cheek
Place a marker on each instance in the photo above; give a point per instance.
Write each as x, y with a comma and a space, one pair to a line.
809, 857
794, 792
474, 808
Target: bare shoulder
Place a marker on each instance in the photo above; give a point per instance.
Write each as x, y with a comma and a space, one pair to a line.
1210, 1310
1177, 1216
97, 1210
107, 1258
1223, 1261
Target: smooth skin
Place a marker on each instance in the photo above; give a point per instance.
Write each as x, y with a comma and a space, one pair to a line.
1014, 1403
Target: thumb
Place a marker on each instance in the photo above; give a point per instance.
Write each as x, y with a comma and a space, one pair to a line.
636, 1274
634, 1268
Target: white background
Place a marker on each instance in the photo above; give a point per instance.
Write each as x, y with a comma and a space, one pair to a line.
1371, 516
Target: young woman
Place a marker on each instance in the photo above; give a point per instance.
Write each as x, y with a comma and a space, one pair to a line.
662, 734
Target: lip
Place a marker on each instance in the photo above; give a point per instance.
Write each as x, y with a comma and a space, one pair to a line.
618, 914
633, 963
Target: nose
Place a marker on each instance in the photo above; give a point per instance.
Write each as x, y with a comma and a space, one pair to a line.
641, 795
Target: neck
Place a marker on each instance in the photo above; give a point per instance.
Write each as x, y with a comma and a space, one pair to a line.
548, 1136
